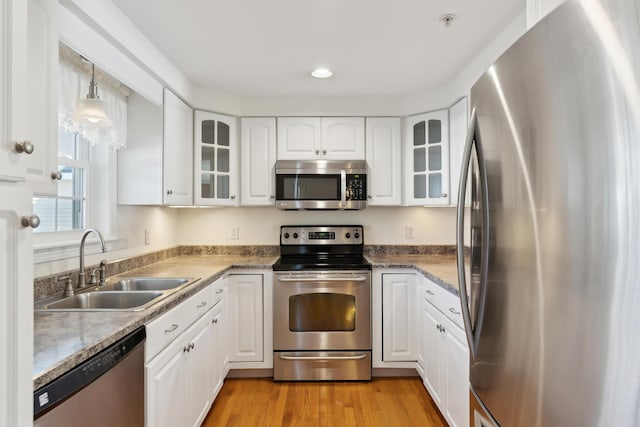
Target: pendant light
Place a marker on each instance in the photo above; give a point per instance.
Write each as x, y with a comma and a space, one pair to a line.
90, 111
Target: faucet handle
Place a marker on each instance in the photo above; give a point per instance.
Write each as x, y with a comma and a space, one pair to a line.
92, 277
68, 289
103, 272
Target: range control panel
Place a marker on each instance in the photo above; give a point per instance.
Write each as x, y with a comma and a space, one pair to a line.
321, 235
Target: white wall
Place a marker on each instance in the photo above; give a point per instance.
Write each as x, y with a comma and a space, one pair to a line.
261, 226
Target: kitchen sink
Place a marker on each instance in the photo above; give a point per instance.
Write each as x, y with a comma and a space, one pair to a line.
145, 284
106, 301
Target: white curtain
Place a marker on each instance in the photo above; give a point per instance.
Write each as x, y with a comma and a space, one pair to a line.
75, 74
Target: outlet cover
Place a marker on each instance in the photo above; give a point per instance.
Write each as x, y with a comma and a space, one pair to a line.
408, 231
235, 232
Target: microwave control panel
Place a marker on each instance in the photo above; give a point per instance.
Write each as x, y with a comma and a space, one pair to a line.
357, 187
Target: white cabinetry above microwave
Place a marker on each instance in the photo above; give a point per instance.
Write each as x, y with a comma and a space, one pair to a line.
311, 138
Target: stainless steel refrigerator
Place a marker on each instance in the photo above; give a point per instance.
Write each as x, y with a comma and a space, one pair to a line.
549, 233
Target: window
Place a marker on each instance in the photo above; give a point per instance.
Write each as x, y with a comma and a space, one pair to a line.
68, 209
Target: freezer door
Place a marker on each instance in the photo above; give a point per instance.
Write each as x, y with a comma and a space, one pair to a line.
555, 340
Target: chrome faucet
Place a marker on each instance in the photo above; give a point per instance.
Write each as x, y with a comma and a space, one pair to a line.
81, 274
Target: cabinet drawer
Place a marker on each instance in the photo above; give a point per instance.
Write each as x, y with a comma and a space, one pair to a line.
164, 329
433, 293
450, 306
169, 326
218, 288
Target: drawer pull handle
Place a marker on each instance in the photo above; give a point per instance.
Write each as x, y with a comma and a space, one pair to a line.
202, 304
171, 329
453, 310
430, 292
327, 358
219, 291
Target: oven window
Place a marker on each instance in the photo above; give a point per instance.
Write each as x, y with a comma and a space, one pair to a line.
322, 312
308, 187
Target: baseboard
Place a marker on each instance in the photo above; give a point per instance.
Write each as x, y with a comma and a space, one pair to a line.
394, 372
250, 373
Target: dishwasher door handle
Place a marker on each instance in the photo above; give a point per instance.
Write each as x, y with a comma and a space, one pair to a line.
358, 356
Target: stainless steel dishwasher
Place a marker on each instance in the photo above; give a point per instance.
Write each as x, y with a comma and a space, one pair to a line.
105, 390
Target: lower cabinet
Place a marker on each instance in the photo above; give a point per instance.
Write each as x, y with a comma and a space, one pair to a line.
246, 322
219, 345
445, 363
398, 299
177, 381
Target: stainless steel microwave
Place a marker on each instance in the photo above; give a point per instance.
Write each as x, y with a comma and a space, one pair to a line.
321, 184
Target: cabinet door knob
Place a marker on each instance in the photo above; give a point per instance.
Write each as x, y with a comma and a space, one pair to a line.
32, 221
233, 197
444, 194
57, 175
317, 151
272, 197
169, 192
324, 151
24, 147
369, 196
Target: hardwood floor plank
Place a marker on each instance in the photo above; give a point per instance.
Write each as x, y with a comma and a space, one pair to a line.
383, 402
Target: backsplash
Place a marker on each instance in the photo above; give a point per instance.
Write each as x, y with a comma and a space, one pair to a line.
48, 286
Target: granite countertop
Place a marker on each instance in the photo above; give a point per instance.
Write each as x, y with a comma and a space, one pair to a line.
441, 269
64, 339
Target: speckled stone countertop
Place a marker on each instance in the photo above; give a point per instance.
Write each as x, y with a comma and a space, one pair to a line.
442, 269
62, 340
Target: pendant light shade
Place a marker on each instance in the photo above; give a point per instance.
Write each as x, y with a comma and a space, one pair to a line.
90, 111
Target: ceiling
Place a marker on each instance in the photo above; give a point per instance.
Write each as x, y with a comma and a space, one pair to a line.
268, 48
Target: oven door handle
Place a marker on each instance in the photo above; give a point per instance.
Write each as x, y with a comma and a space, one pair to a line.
359, 356
323, 279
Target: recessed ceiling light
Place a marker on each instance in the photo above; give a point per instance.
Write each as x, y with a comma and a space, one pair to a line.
321, 73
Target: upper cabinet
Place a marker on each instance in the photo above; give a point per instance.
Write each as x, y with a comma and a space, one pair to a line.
178, 151
257, 160
159, 155
427, 159
310, 138
384, 151
215, 164
458, 114
28, 89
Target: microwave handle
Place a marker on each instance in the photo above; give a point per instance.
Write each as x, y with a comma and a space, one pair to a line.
343, 188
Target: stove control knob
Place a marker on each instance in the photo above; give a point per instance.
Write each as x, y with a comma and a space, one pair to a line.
295, 235
286, 235
357, 235
348, 235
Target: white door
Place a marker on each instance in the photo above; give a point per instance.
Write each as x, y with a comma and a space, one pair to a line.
219, 350
342, 138
298, 138
198, 370
433, 353
384, 158
166, 387
398, 310
178, 151
16, 308
427, 159
456, 376
257, 161
245, 318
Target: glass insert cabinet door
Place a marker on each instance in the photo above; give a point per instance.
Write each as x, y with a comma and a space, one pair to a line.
427, 162
215, 159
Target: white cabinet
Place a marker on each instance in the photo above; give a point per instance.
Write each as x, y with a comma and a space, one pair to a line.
458, 114
246, 322
384, 158
178, 151
398, 312
310, 138
16, 306
159, 157
220, 340
177, 381
257, 160
28, 93
42, 96
446, 355
427, 159
215, 159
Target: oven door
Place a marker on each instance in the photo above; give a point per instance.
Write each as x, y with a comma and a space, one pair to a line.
322, 311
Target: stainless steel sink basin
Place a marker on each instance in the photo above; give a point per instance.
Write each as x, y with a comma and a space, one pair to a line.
145, 284
106, 301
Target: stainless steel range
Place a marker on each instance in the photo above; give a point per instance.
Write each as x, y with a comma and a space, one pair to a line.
322, 305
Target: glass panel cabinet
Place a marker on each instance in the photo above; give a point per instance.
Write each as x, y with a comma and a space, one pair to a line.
215, 159
427, 159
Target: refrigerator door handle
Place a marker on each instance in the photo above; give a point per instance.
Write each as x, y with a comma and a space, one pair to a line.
472, 326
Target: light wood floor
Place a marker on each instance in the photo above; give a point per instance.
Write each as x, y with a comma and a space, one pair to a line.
387, 402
